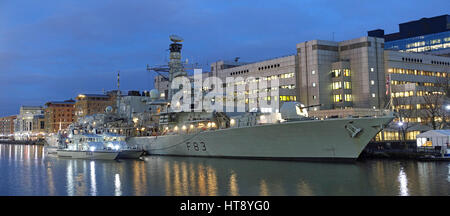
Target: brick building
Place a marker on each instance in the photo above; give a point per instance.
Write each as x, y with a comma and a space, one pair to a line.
59, 115
89, 104
7, 125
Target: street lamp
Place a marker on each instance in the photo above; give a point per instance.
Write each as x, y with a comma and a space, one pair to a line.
400, 123
447, 107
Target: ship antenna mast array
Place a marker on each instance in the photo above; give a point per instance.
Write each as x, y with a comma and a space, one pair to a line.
118, 81
175, 67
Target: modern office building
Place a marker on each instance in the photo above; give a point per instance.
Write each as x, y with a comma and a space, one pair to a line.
357, 77
425, 35
341, 75
30, 123
59, 115
279, 70
418, 87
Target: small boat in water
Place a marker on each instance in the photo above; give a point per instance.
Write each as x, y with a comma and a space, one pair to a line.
117, 141
53, 142
87, 146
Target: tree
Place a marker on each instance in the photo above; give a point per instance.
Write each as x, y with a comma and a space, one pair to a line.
436, 98
405, 111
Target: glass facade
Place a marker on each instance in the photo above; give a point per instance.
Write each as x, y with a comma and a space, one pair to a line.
424, 43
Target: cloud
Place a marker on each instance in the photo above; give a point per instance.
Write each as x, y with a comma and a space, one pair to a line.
53, 50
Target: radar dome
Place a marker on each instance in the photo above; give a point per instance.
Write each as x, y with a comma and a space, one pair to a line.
154, 94
108, 109
176, 38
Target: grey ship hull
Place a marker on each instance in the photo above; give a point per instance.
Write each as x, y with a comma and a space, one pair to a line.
300, 140
130, 154
97, 155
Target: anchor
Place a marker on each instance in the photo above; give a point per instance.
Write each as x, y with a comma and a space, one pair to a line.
352, 129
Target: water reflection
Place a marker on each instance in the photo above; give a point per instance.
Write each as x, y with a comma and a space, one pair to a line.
304, 189
69, 176
403, 183
117, 185
263, 190
448, 177
26, 170
234, 188
93, 179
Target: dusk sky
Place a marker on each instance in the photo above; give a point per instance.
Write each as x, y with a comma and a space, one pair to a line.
53, 50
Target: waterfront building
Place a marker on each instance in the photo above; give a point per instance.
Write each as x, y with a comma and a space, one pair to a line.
59, 115
30, 123
417, 84
341, 75
357, 78
280, 70
430, 35
89, 104
7, 126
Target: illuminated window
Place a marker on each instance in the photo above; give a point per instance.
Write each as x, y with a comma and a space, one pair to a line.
287, 75
347, 85
347, 72
292, 86
336, 73
337, 98
288, 98
348, 97
337, 85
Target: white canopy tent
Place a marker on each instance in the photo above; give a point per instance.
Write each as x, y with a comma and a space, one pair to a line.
434, 138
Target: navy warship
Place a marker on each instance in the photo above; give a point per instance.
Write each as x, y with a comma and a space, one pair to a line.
289, 134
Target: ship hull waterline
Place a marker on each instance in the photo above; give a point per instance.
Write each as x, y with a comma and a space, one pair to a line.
92, 155
130, 154
313, 140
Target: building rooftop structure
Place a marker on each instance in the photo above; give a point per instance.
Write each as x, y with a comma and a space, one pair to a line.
424, 35
60, 102
416, 28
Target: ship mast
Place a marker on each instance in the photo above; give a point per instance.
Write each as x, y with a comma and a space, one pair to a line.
175, 65
118, 92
